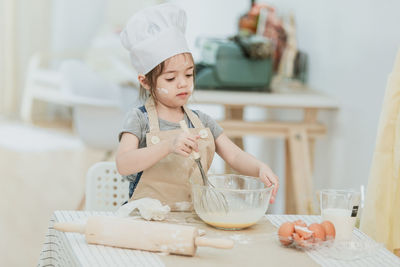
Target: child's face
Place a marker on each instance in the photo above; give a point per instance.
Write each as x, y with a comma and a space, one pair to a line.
175, 84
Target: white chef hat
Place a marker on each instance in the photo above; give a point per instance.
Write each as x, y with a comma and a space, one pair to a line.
155, 34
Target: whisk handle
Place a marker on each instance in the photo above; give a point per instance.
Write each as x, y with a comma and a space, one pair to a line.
185, 128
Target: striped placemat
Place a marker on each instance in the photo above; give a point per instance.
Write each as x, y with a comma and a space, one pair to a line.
71, 249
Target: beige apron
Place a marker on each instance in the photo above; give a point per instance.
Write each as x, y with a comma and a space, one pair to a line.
168, 179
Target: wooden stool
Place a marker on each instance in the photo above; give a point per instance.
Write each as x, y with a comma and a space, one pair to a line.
299, 145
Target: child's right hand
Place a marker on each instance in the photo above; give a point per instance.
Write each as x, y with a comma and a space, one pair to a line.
184, 143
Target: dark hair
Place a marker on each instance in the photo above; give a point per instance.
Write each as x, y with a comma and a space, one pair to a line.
151, 79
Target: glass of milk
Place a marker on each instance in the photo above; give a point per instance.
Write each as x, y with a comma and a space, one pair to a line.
341, 208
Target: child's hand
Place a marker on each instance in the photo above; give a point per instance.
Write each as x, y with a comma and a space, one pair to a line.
269, 178
184, 143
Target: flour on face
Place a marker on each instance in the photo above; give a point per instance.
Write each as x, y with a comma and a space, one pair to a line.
163, 91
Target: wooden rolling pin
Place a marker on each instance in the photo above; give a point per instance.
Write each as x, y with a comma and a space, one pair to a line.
143, 235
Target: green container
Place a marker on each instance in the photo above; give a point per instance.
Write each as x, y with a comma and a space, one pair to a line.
226, 67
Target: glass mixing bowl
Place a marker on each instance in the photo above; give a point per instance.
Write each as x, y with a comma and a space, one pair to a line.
246, 199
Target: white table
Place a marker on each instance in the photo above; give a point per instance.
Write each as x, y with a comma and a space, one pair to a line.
289, 99
70, 249
299, 136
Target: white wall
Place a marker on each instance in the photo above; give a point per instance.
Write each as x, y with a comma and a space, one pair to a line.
208, 18
351, 47
31, 34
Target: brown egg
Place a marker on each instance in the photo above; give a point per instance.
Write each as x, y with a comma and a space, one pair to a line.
285, 233
303, 232
318, 231
329, 230
300, 223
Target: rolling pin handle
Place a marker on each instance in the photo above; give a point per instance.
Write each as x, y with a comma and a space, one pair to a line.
70, 227
214, 242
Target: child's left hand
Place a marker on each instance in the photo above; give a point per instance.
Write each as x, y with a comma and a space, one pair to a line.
269, 178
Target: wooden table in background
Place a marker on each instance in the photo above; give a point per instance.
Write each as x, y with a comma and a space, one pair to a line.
299, 136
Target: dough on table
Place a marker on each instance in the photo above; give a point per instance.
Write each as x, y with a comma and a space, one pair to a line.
149, 209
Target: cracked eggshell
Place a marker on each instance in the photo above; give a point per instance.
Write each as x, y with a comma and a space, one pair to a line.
299, 240
303, 232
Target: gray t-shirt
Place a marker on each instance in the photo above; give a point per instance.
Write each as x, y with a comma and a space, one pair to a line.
137, 123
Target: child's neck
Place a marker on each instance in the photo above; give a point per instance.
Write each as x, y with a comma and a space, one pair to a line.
170, 114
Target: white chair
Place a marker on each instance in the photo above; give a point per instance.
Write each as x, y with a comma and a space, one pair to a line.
106, 190
42, 83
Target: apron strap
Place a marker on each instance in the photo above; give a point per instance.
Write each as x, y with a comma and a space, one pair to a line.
193, 118
152, 115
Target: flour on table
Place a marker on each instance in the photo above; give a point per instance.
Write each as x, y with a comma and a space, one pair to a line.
183, 206
202, 232
149, 209
240, 238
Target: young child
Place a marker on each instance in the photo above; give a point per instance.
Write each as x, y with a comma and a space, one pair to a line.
154, 151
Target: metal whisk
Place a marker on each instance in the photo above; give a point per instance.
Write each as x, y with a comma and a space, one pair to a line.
211, 200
